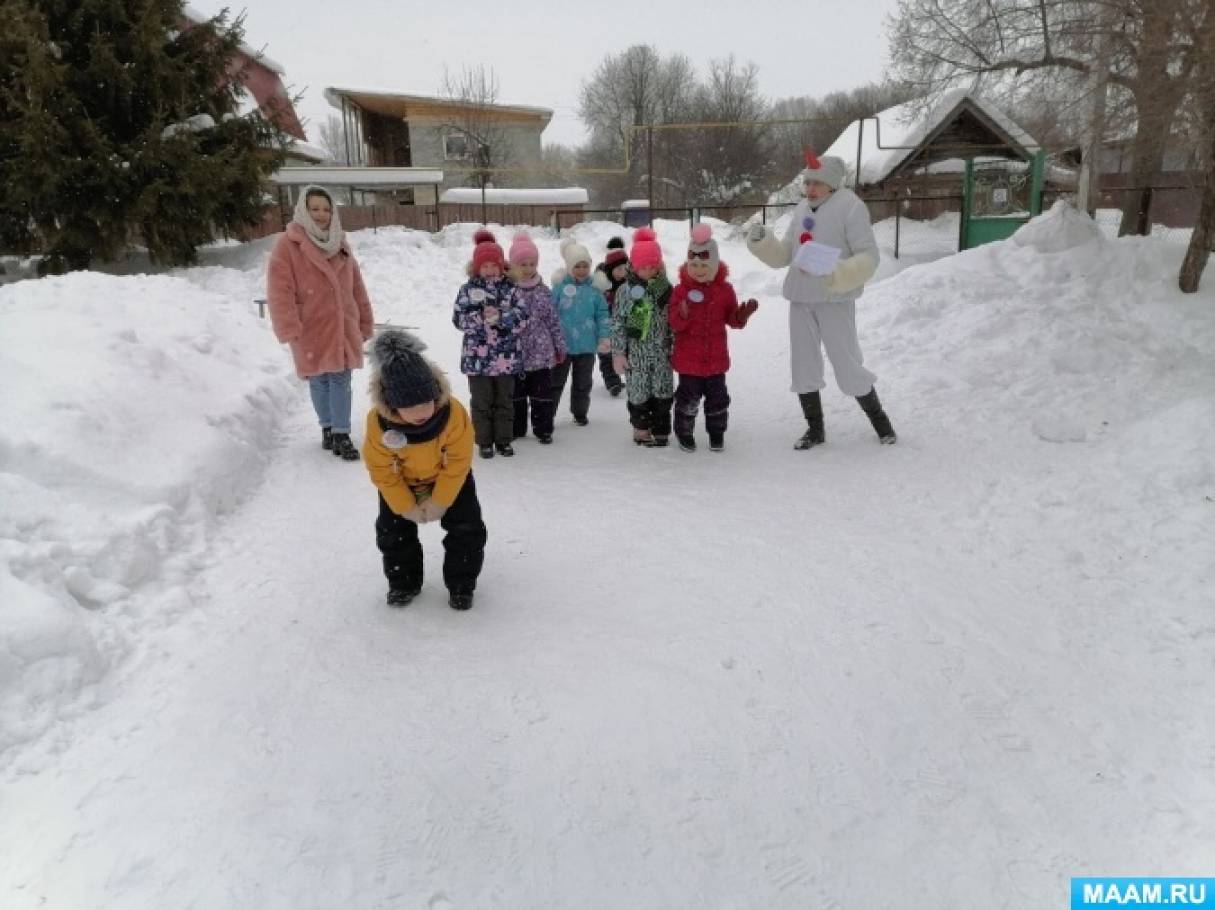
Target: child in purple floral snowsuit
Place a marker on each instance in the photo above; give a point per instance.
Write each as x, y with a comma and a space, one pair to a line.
491, 321
542, 341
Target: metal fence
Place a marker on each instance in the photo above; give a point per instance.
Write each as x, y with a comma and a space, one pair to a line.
419, 217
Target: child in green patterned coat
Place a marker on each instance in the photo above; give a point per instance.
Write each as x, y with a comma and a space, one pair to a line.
641, 341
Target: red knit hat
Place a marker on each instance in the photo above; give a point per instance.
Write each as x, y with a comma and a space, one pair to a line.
646, 253
486, 250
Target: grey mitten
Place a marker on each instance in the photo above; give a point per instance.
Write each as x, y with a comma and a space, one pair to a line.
756, 234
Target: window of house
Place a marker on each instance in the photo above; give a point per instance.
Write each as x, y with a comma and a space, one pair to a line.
455, 146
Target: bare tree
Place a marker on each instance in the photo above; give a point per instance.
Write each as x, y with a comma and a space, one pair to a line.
560, 163
333, 141
634, 87
823, 119
725, 163
1203, 99
1147, 47
473, 124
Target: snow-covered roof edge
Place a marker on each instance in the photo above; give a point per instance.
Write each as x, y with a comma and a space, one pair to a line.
570, 195
331, 94
307, 150
195, 15
339, 175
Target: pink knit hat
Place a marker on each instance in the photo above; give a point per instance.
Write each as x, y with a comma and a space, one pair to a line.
646, 253
487, 250
522, 247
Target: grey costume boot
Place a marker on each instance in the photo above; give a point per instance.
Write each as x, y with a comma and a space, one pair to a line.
812, 407
881, 423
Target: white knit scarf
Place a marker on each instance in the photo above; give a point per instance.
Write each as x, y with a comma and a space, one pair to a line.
329, 241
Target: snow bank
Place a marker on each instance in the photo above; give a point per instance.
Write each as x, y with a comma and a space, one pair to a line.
1062, 228
1060, 335
136, 409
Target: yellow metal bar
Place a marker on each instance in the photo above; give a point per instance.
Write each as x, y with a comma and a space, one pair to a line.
631, 131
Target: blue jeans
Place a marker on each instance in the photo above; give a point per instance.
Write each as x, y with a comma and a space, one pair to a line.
331, 399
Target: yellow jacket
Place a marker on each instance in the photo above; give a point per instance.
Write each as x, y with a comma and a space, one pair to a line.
433, 468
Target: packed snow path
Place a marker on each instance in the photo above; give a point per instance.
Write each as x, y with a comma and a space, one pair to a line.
953, 672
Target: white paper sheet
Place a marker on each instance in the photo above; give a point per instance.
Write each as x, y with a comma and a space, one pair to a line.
816, 258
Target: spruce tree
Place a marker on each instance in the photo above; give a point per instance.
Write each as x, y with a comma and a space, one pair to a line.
95, 153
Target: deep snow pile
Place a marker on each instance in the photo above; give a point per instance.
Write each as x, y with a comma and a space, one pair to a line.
978, 661
135, 411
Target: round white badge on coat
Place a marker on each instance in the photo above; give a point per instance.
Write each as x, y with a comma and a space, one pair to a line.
394, 439
637, 292
476, 295
696, 296
570, 290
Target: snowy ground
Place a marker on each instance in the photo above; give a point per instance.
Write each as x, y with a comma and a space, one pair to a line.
951, 673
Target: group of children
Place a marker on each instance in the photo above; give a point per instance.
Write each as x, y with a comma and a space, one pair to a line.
524, 341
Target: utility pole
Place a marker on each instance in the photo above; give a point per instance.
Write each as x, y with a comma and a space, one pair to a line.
484, 152
650, 168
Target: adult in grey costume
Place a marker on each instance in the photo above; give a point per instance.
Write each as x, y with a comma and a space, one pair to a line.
822, 308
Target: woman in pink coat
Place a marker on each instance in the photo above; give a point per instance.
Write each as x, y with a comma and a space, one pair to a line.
319, 306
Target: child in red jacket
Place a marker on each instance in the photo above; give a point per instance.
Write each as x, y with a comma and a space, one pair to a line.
701, 307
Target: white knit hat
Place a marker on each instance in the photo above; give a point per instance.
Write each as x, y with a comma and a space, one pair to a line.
574, 252
829, 170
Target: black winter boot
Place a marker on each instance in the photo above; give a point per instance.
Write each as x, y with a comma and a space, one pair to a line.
812, 408
402, 597
343, 448
460, 600
327, 439
881, 423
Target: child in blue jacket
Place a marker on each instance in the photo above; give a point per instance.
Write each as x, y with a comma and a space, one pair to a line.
583, 311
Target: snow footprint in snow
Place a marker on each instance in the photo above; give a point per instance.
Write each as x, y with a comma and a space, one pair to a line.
528, 706
439, 901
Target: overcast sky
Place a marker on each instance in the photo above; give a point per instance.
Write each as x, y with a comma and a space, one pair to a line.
542, 50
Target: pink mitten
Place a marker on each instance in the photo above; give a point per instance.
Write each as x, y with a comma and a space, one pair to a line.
605, 346
620, 363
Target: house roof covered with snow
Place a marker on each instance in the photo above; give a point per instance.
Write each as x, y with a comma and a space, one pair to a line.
911, 135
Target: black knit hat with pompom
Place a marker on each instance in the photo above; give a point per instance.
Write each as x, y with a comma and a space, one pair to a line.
405, 375
615, 253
